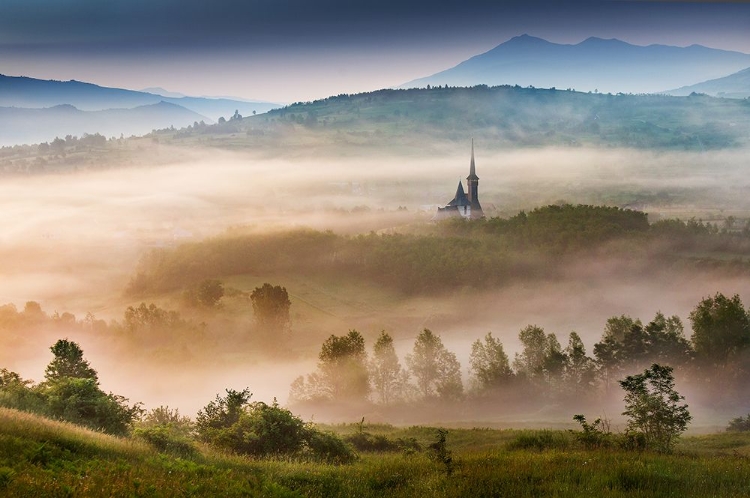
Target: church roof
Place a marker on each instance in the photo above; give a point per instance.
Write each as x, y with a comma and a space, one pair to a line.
460, 199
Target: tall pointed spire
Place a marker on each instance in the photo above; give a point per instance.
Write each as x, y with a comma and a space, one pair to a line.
472, 167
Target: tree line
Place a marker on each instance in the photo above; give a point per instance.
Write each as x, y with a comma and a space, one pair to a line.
718, 351
538, 244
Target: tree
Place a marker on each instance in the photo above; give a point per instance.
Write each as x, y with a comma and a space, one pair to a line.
436, 370
617, 326
271, 307
71, 392
667, 342
530, 362
635, 346
555, 361
721, 328
207, 294
655, 416
386, 373
579, 373
343, 367
68, 362
609, 352
489, 364
151, 318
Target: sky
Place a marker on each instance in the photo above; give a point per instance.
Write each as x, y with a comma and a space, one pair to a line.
297, 50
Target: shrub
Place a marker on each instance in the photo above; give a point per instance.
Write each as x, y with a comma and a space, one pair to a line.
235, 424
165, 439
739, 424
439, 451
595, 435
80, 401
328, 447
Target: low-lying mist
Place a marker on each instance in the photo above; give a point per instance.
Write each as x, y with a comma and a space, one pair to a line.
72, 242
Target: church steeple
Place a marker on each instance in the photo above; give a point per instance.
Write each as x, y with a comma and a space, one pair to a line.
472, 167
472, 184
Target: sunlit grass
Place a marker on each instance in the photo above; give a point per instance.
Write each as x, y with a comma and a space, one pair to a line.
39, 457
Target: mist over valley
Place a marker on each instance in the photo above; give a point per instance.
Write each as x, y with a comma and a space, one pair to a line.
523, 275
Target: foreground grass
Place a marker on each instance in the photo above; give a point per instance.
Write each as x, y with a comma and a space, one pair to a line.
44, 458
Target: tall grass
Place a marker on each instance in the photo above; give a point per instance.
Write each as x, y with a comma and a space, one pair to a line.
43, 458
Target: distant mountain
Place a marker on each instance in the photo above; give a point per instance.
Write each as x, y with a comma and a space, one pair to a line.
734, 86
594, 64
157, 90
19, 91
23, 125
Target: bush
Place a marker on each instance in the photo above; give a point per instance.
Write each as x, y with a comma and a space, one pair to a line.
80, 401
364, 441
739, 424
440, 453
165, 439
235, 424
18, 393
595, 435
328, 447
167, 431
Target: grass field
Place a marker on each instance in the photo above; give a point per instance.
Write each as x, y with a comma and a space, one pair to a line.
44, 458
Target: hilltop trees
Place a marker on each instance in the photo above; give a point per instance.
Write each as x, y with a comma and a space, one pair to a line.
271, 307
68, 362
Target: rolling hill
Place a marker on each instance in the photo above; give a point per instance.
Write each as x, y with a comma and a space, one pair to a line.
734, 86
594, 64
502, 117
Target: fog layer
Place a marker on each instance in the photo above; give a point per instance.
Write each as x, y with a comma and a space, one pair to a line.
71, 242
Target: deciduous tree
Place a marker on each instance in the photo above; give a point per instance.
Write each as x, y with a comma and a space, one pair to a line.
386, 373
655, 416
436, 370
490, 367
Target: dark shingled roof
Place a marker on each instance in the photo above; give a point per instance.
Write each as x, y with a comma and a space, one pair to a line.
460, 199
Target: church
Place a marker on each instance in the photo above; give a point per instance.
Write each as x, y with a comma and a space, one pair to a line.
466, 206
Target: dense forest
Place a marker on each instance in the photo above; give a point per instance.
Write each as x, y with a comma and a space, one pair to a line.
453, 254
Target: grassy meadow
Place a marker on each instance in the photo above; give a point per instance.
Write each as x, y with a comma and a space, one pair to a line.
39, 457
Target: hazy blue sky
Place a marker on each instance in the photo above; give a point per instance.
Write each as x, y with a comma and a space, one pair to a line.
290, 50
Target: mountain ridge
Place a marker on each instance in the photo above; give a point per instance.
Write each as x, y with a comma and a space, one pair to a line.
33, 93
36, 125
594, 64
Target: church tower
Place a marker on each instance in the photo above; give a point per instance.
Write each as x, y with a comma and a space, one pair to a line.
472, 183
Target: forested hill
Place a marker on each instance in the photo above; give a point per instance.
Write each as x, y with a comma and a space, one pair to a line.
501, 117
484, 253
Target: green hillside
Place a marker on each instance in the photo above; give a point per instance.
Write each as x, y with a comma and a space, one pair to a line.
501, 117
39, 457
